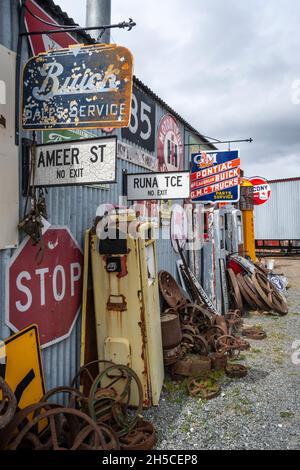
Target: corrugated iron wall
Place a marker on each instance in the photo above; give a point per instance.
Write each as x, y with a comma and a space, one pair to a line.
279, 218
74, 207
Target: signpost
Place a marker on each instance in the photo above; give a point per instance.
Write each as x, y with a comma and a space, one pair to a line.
215, 176
79, 87
48, 294
158, 186
261, 190
90, 161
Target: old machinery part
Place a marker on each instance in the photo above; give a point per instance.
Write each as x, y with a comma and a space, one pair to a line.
235, 290
247, 293
252, 292
170, 290
195, 315
192, 365
205, 389
141, 437
212, 334
171, 355
8, 403
110, 396
218, 361
228, 344
243, 344
221, 321
270, 295
75, 398
170, 328
234, 320
236, 370
254, 333
89, 372
201, 345
61, 436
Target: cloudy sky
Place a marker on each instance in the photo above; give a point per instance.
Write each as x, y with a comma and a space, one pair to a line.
227, 66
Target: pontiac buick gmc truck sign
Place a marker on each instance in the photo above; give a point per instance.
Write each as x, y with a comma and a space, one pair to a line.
87, 161
79, 87
215, 176
171, 185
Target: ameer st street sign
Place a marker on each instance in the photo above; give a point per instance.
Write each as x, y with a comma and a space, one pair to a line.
171, 185
87, 161
78, 87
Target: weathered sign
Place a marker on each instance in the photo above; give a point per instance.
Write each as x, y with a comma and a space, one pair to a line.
78, 87
89, 161
261, 190
9, 164
215, 176
141, 130
137, 156
48, 294
21, 366
170, 145
172, 185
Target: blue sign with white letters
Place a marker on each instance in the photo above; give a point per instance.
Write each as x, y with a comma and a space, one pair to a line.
215, 176
79, 87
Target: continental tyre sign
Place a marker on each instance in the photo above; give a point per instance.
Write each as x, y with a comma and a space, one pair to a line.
78, 87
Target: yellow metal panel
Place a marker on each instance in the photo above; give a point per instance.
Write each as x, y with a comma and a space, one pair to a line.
117, 350
150, 299
21, 355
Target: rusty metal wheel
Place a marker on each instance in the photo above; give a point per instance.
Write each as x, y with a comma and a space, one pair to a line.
228, 344
201, 345
235, 290
246, 292
234, 320
75, 398
8, 403
142, 437
61, 436
252, 292
236, 370
212, 334
254, 333
110, 397
205, 389
195, 315
170, 290
89, 371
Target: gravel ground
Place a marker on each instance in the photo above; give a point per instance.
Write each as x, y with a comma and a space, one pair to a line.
260, 411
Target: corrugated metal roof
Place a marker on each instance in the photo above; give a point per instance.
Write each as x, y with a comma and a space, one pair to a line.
284, 180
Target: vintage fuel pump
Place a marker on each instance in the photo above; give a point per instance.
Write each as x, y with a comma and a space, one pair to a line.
126, 297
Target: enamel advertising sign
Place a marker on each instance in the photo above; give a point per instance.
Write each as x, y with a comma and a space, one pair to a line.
261, 190
215, 176
78, 87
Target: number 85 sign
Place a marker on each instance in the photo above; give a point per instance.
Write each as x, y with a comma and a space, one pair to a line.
141, 130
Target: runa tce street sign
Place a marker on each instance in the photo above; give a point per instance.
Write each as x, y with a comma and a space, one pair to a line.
78, 87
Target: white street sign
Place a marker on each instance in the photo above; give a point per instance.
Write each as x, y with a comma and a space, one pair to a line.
171, 185
90, 161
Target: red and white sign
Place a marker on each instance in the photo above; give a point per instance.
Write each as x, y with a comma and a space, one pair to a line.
261, 190
169, 145
44, 42
48, 294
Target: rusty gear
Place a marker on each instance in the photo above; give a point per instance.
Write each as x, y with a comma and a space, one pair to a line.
235, 289
141, 437
205, 389
236, 370
254, 333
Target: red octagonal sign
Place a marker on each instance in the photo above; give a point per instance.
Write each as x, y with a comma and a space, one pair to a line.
48, 294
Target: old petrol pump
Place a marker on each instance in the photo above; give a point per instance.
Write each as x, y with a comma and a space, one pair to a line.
126, 298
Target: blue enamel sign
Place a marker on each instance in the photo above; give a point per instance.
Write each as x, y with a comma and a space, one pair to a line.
79, 87
215, 176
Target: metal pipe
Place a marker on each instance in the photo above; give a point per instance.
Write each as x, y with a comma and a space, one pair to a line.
99, 12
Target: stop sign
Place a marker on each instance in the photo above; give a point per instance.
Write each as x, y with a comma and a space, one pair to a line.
261, 190
48, 294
